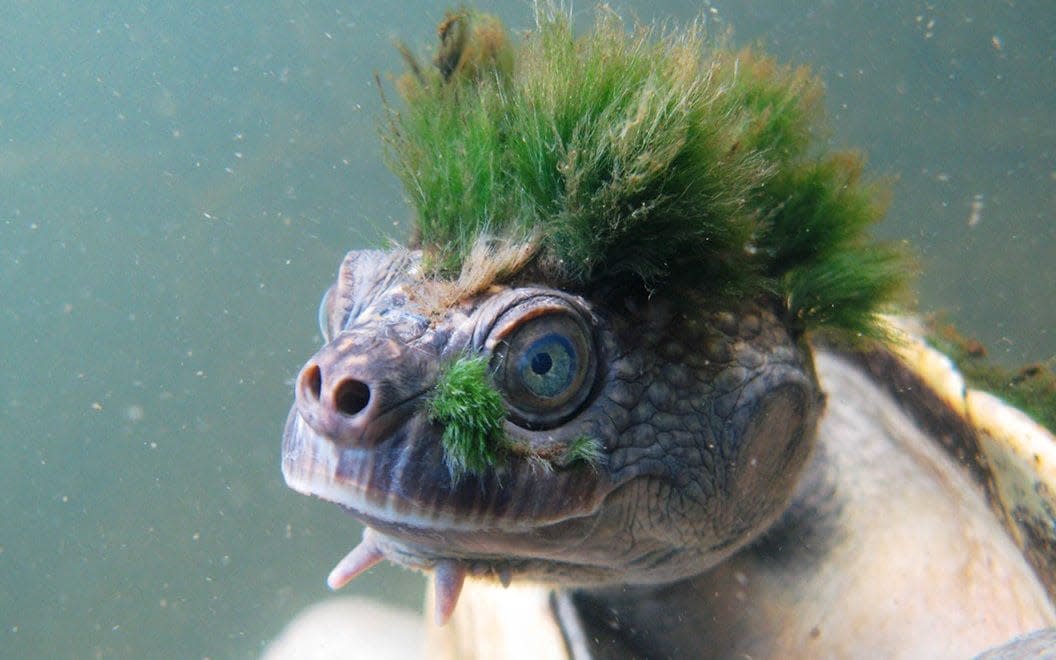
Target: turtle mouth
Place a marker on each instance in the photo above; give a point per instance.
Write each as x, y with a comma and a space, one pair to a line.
513, 522
373, 482
401, 482
362, 482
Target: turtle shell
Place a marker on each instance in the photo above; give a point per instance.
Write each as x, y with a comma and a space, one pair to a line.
1010, 456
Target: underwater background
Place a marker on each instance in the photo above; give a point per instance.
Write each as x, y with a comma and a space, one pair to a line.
179, 181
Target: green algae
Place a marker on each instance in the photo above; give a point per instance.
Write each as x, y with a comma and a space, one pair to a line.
472, 413
1031, 388
649, 158
584, 449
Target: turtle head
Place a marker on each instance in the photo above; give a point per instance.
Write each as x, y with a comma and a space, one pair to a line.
592, 366
527, 431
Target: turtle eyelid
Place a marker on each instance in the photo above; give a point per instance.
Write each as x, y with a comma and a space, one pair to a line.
324, 316
334, 313
362, 276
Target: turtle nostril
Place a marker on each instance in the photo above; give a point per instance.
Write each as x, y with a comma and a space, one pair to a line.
313, 381
351, 396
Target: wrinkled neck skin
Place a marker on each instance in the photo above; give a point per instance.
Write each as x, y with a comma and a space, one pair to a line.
704, 420
888, 550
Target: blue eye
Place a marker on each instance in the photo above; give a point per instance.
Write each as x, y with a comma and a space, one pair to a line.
544, 365
548, 366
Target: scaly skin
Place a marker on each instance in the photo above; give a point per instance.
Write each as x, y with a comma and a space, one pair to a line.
706, 419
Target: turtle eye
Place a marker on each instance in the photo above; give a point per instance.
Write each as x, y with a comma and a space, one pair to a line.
544, 365
547, 367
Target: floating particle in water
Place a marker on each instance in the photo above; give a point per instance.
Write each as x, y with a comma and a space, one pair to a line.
975, 215
134, 413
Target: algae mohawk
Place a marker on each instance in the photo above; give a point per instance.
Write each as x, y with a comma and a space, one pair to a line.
643, 158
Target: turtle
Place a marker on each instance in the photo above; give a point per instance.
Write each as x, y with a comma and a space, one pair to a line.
638, 385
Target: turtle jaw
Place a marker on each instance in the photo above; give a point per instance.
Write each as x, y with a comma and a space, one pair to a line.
353, 475
519, 519
401, 482
415, 516
394, 481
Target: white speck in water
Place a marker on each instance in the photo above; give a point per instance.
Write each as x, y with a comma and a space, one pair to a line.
976, 213
134, 413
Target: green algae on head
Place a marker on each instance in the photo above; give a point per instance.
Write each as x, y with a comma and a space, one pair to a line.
647, 158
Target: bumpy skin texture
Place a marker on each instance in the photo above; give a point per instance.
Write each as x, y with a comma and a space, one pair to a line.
705, 418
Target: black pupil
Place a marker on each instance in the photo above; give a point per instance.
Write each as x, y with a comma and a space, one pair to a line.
541, 363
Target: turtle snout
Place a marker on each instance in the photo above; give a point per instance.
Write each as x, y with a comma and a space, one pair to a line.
333, 404
353, 391
347, 397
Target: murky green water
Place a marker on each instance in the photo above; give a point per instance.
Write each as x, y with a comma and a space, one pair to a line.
179, 181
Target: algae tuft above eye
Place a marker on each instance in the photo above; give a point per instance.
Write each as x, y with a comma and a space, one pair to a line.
642, 158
